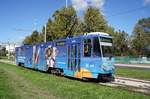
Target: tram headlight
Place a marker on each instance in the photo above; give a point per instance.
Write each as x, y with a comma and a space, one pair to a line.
107, 68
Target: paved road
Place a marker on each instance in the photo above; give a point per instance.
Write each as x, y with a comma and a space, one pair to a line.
140, 66
7, 61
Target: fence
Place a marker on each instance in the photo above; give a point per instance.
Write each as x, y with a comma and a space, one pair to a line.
132, 60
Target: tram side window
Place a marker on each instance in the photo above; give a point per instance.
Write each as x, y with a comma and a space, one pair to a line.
87, 47
96, 47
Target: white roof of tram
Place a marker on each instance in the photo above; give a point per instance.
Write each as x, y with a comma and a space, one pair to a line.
98, 33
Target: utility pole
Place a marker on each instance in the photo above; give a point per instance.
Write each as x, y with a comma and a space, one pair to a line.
8, 50
66, 3
45, 34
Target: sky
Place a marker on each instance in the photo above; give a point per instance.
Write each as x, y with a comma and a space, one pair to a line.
18, 18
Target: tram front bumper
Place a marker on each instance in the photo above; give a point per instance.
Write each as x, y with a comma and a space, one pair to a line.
106, 77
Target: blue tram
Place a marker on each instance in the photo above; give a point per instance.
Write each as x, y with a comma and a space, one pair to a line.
83, 57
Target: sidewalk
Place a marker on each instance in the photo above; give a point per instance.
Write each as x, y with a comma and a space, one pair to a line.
8, 61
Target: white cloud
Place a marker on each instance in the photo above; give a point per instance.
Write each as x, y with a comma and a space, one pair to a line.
147, 2
84, 4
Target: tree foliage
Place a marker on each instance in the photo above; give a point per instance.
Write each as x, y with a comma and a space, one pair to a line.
3, 51
65, 22
94, 21
141, 37
34, 38
50, 35
120, 42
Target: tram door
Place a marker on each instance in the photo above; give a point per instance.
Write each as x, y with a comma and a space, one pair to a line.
74, 57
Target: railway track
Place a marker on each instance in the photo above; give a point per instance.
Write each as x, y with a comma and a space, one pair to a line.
132, 84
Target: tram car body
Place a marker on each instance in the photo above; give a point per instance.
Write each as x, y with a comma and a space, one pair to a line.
86, 56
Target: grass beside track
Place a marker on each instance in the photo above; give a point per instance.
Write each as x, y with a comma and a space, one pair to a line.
6, 90
20, 83
133, 73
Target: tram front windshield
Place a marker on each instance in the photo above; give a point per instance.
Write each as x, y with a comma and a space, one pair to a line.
103, 46
107, 51
106, 46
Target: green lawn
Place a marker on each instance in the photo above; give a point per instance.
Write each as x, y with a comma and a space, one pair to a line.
6, 90
20, 83
134, 73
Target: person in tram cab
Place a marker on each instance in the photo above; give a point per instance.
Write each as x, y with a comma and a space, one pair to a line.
86, 50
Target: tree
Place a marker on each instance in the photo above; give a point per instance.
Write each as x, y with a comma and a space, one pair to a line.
141, 37
94, 20
120, 42
50, 35
3, 51
27, 40
110, 30
64, 23
34, 38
